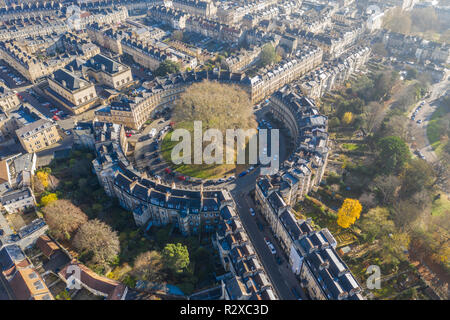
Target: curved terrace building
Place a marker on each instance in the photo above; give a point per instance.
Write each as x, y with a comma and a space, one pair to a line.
312, 253
191, 211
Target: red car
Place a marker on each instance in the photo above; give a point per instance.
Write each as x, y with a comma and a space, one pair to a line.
167, 170
56, 118
182, 178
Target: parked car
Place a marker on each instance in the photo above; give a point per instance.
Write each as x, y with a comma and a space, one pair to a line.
181, 178
252, 212
143, 138
260, 226
278, 260
152, 133
272, 248
243, 173
419, 121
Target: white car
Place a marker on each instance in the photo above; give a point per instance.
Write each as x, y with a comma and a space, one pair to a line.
152, 132
272, 248
252, 212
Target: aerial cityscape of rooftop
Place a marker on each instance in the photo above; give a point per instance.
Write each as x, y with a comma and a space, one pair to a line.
194, 150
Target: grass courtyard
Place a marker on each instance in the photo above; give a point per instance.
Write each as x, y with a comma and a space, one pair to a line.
201, 171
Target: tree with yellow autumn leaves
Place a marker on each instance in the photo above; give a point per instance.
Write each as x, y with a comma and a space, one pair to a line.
349, 212
43, 178
347, 118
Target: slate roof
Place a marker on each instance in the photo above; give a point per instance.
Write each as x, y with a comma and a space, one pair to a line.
11, 255
111, 66
69, 80
34, 127
15, 195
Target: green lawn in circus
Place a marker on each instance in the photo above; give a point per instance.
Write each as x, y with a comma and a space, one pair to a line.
201, 171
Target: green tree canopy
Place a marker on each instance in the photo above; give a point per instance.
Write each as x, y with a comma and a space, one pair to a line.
393, 154
411, 73
175, 257
376, 224
167, 67
418, 175
268, 55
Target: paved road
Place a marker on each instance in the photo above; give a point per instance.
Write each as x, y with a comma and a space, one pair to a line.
281, 276
419, 131
36, 104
